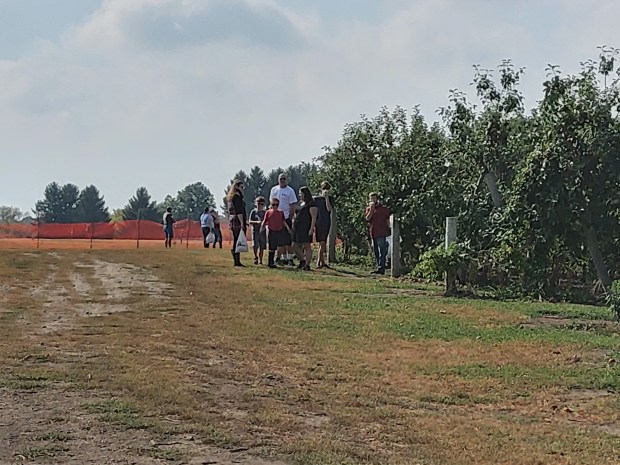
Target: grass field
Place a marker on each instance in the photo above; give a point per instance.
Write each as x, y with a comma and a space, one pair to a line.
152, 356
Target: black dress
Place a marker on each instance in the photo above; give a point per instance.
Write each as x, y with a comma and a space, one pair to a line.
302, 223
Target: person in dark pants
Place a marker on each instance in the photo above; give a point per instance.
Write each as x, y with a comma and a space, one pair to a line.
378, 217
259, 237
217, 230
304, 227
324, 204
169, 227
238, 217
207, 226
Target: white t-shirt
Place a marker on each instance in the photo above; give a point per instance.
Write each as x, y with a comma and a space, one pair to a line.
286, 196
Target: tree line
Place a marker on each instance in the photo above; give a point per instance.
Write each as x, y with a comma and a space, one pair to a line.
537, 193
68, 204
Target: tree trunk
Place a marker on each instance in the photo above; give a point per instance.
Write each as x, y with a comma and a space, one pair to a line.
491, 182
597, 257
594, 249
331, 239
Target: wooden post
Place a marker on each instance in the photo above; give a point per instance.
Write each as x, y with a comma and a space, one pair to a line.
188, 226
395, 248
451, 226
92, 233
38, 231
331, 239
138, 230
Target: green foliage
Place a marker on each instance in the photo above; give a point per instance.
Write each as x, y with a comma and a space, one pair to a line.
59, 204
141, 206
9, 215
435, 263
192, 200
613, 299
91, 207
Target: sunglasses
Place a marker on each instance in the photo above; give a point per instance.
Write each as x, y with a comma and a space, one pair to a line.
275, 204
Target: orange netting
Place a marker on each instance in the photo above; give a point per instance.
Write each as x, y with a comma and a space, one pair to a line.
141, 230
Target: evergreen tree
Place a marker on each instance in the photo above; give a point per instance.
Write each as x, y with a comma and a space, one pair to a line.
59, 204
91, 207
256, 182
169, 201
141, 206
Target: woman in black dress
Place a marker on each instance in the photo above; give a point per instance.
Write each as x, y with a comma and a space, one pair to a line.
304, 227
238, 216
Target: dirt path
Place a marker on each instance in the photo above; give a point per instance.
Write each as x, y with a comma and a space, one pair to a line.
47, 421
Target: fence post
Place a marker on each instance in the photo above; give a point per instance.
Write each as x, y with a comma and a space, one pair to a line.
395, 248
331, 239
187, 234
451, 227
138, 230
38, 231
92, 233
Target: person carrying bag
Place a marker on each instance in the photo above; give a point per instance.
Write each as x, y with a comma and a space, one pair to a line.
238, 221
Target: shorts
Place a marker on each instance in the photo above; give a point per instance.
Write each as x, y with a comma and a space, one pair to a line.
169, 232
287, 240
259, 240
322, 232
278, 239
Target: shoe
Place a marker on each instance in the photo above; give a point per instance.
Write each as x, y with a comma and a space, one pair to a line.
375, 272
301, 265
272, 266
381, 272
256, 261
306, 268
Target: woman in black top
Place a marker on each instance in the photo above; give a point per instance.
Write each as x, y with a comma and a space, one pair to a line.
304, 227
238, 216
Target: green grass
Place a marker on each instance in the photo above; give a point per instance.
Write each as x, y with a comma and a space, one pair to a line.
38, 452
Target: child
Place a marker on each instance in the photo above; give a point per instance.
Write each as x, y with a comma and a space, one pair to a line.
259, 236
277, 225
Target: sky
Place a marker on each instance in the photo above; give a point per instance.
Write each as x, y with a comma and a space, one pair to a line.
164, 93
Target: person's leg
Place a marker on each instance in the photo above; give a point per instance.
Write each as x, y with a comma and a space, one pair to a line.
205, 233
261, 254
297, 249
382, 254
375, 250
236, 256
320, 261
255, 247
308, 255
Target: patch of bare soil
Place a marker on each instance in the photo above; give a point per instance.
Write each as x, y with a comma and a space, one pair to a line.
51, 427
63, 305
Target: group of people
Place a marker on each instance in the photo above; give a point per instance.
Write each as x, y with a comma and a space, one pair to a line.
286, 228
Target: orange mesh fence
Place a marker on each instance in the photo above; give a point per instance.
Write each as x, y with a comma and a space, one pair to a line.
132, 230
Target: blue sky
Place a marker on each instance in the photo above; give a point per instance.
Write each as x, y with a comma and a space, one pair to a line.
162, 93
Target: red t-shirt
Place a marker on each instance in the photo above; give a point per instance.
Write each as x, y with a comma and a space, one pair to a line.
274, 220
379, 223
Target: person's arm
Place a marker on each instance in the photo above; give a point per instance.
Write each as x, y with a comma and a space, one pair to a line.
288, 228
263, 224
328, 203
370, 211
313, 214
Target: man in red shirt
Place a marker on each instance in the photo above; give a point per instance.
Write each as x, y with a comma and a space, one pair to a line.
378, 217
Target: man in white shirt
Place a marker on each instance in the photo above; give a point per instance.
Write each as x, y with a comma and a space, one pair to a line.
288, 204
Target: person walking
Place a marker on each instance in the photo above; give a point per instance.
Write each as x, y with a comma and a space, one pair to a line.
259, 237
288, 204
378, 218
324, 205
238, 217
169, 227
217, 230
304, 228
207, 225
277, 228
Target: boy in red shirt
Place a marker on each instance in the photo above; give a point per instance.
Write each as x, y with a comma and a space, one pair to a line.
277, 226
378, 217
